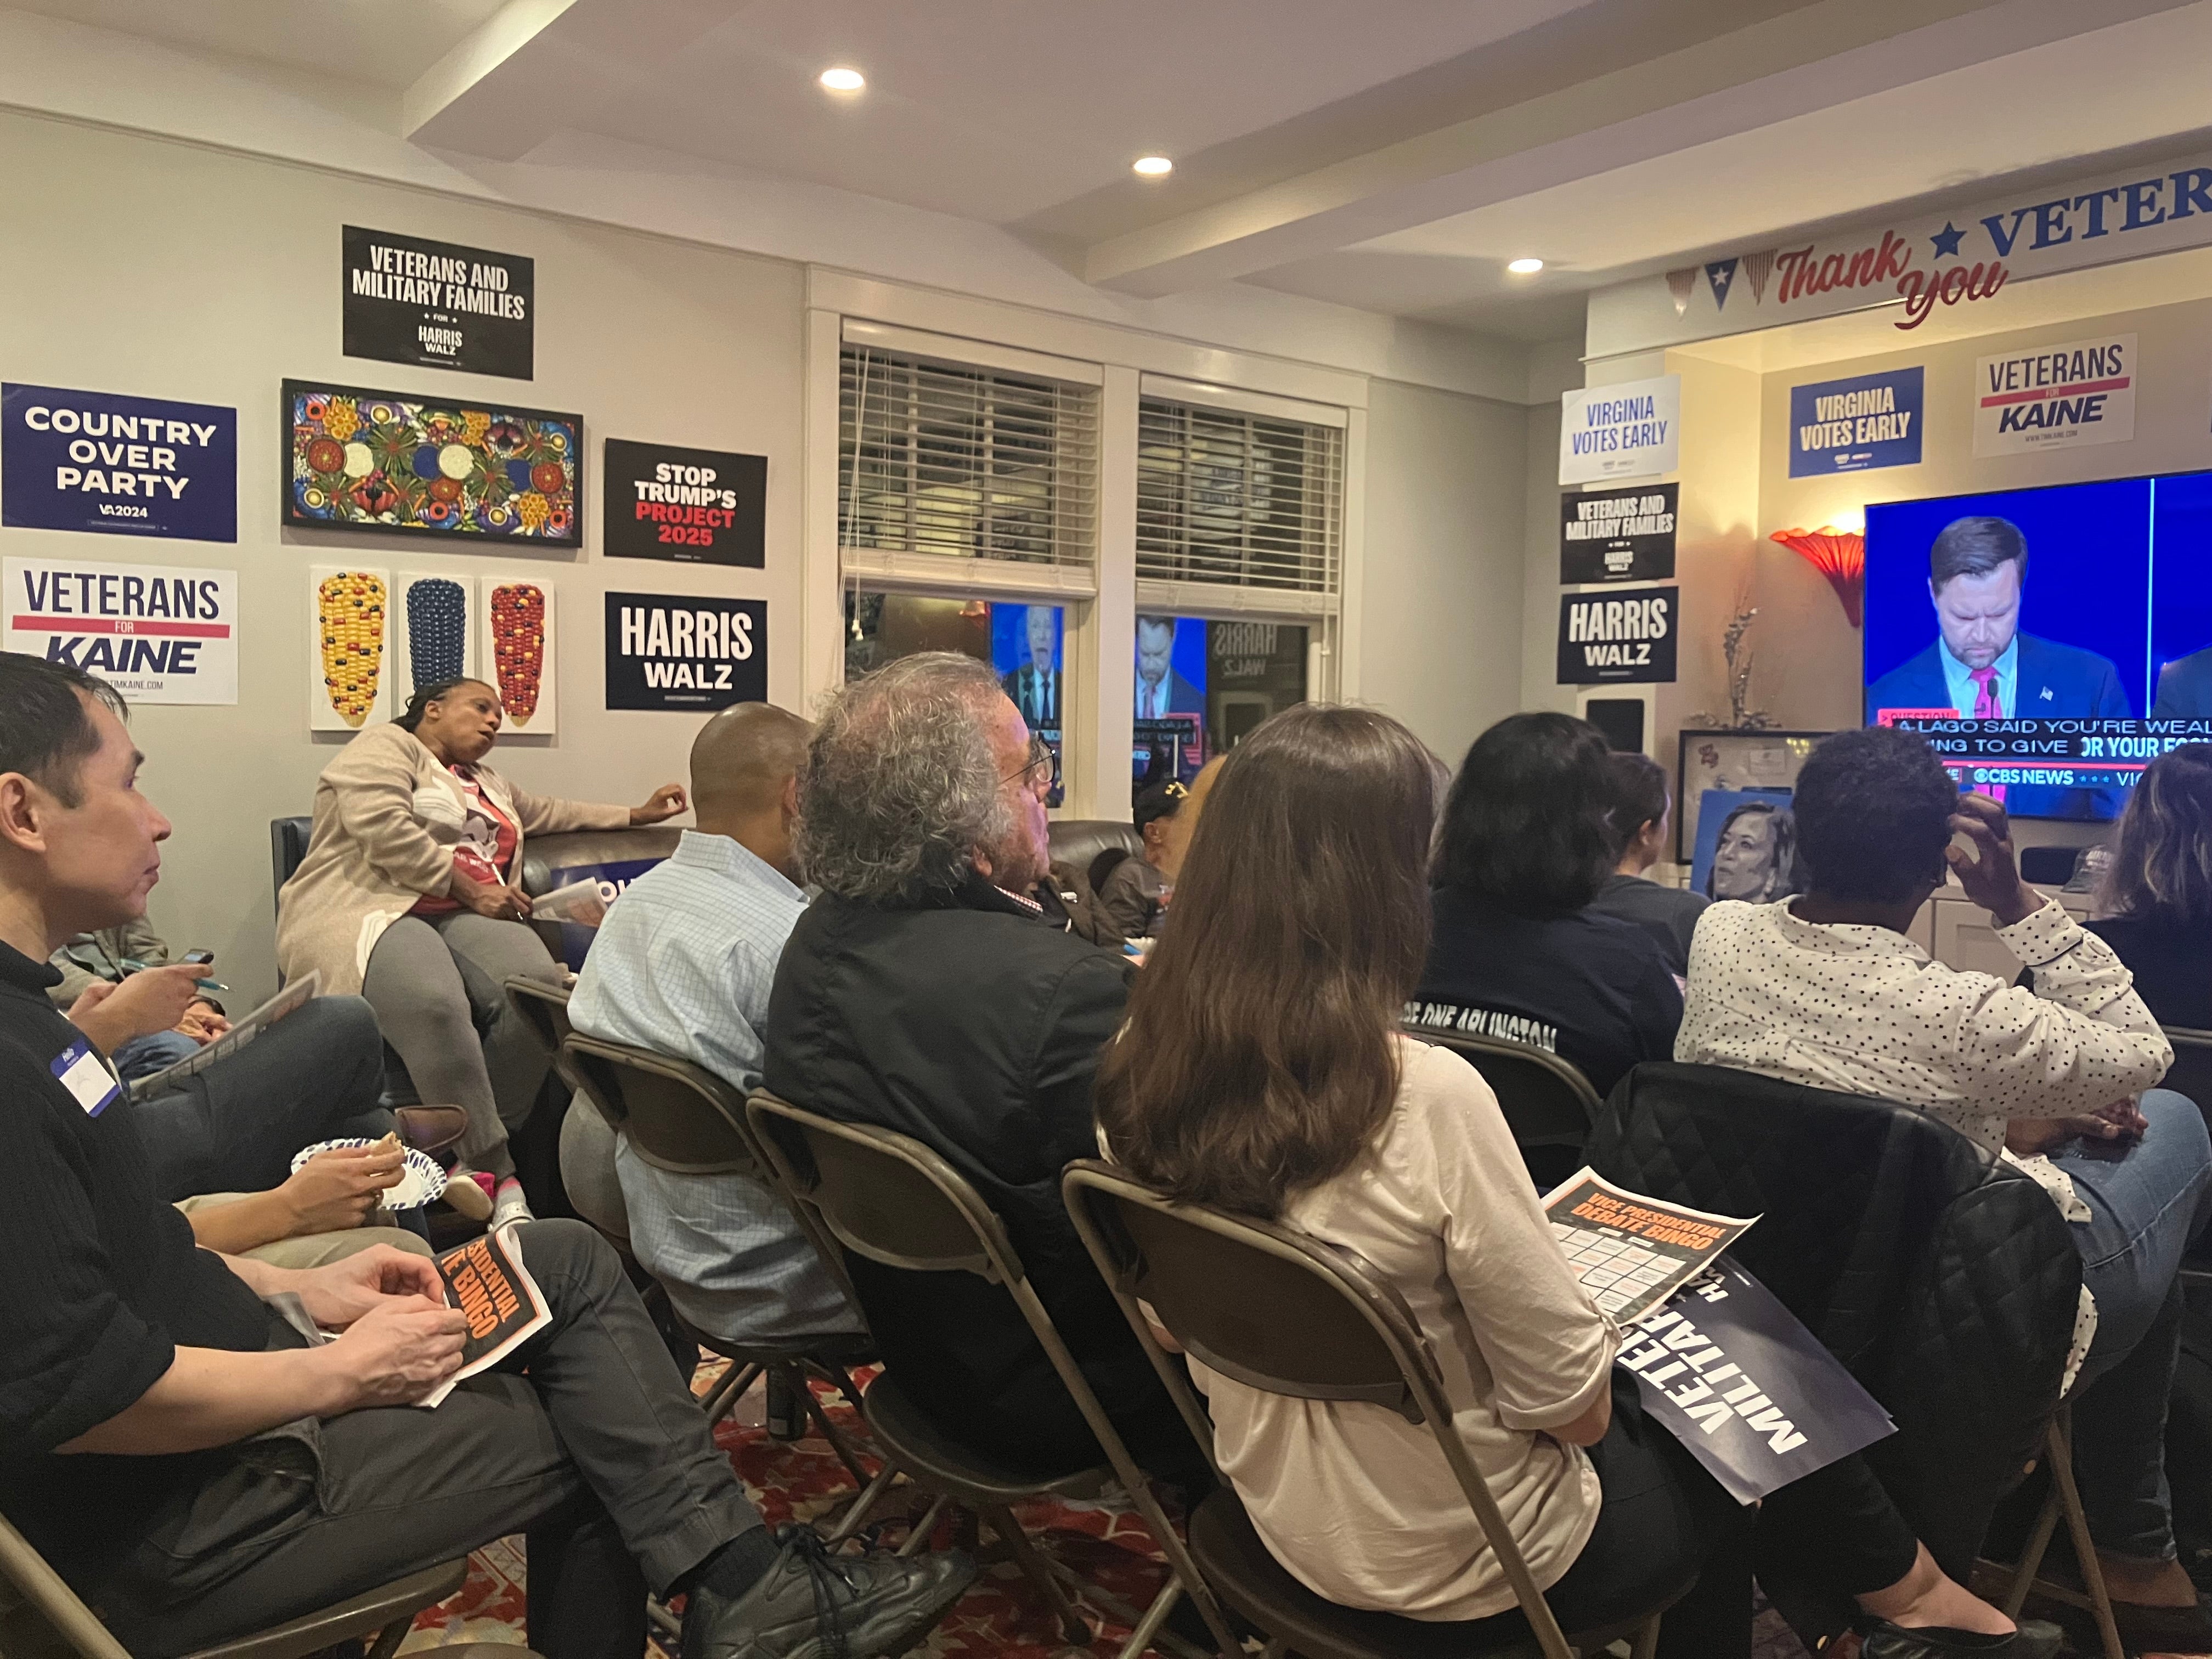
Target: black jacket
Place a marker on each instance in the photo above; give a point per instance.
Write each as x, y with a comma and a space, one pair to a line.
975, 1027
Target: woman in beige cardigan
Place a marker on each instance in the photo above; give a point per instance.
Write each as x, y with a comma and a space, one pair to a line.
409, 895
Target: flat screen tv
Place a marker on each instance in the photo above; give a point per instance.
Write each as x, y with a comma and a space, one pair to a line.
2048, 642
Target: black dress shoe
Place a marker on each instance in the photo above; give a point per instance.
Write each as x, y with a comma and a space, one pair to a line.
2034, 1639
813, 1605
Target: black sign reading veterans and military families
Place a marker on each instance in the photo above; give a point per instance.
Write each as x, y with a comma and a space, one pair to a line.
1625, 637
695, 506
685, 652
1618, 535
438, 303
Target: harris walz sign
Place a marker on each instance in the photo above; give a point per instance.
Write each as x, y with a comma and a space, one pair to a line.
1625, 637
685, 652
1618, 535
439, 304
694, 506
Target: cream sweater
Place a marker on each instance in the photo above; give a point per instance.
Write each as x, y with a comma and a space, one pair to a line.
370, 858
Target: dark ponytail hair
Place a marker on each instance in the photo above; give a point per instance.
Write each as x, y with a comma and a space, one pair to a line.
410, 717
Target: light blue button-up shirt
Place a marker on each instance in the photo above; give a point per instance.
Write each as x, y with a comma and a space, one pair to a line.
683, 965
1965, 694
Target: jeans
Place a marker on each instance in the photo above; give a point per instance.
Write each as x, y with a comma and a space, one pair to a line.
314, 1075
585, 1440
2147, 1202
156, 1051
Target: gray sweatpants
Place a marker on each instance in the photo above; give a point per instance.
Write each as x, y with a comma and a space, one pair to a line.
436, 984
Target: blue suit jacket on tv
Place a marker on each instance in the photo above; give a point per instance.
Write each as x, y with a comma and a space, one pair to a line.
2056, 681
2184, 689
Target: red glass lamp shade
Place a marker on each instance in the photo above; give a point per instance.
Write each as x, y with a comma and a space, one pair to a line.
1839, 554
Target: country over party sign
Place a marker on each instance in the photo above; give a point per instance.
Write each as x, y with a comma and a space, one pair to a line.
118, 466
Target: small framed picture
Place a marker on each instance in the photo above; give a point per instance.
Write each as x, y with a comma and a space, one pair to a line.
1732, 761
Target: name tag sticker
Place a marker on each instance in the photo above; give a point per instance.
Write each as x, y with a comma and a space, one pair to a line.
82, 1073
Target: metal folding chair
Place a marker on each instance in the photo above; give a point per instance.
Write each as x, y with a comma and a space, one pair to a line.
1548, 1103
1278, 1309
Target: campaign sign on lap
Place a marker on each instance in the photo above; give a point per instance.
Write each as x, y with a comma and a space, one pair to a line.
1732, 1375
120, 466
611, 878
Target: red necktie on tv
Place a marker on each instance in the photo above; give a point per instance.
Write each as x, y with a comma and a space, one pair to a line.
1987, 706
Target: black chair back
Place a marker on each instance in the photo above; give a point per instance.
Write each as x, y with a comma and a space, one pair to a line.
1282, 1311
1548, 1103
2192, 1074
288, 845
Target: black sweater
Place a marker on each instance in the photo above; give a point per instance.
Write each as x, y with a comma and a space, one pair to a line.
100, 1282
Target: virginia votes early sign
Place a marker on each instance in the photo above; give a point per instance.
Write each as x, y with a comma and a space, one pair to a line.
1630, 429
685, 652
123, 466
1855, 425
1624, 637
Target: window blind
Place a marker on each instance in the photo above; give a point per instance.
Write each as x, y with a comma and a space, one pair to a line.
935, 458
1235, 500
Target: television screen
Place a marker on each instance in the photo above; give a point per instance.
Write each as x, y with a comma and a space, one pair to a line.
2048, 642
1026, 649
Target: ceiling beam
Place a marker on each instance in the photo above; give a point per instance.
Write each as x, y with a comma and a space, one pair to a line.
1818, 58
535, 67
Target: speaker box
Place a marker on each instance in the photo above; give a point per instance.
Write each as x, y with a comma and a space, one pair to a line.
1621, 719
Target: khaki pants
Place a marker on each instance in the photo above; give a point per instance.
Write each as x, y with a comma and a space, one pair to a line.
314, 1249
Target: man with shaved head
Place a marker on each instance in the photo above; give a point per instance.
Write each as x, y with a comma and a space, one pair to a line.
683, 966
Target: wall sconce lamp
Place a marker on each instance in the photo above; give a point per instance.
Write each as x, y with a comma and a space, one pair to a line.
1839, 554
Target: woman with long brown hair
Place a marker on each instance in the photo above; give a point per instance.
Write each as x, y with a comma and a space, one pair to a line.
1261, 1070
2154, 902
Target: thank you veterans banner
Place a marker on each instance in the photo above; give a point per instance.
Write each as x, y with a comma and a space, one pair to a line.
1623, 637
1626, 430
439, 304
122, 466
670, 651
1618, 535
1857, 424
2055, 397
694, 506
155, 633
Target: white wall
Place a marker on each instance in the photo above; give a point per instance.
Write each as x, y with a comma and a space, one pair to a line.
1441, 610
146, 266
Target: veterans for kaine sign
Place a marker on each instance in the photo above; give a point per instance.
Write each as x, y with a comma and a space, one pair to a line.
439, 304
1855, 425
671, 650
1625, 637
2056, 397
1618, 535
1626, 430
123, 466
155, 633
695, 506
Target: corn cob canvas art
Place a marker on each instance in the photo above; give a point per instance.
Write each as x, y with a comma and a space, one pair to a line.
349, 622
430, 467
434, 630
517, 650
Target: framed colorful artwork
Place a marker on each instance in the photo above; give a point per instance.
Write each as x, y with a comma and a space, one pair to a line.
349, 623
431, 466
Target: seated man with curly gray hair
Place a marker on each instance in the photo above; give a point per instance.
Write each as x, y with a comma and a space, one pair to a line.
924, 992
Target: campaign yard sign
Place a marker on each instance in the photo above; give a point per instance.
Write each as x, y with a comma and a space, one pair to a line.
1625, 637
1733, 1374
119, 465
694, 506
1631, 430
1618, 535
439, 304
155, 633
672, 651
2055, 397
1857, 424
612, 878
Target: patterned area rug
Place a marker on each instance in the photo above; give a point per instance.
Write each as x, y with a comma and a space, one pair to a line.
1001, 1617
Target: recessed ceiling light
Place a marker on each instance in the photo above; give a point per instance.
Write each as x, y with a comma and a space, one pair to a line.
1151, 167
1525, 267
843, 80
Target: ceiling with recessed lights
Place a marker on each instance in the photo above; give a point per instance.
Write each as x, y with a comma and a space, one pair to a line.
1394, 155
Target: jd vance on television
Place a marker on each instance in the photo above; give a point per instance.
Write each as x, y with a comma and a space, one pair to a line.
2048, 642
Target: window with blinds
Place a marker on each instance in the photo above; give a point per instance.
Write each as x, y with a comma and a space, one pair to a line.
1238, 501
967, 462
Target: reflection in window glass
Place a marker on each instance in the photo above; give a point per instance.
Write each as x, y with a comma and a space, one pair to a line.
1202, 685
1025, 643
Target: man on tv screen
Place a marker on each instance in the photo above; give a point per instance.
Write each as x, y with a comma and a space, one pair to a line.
2184, 687
1980, 667
1160, 690
1034, 687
